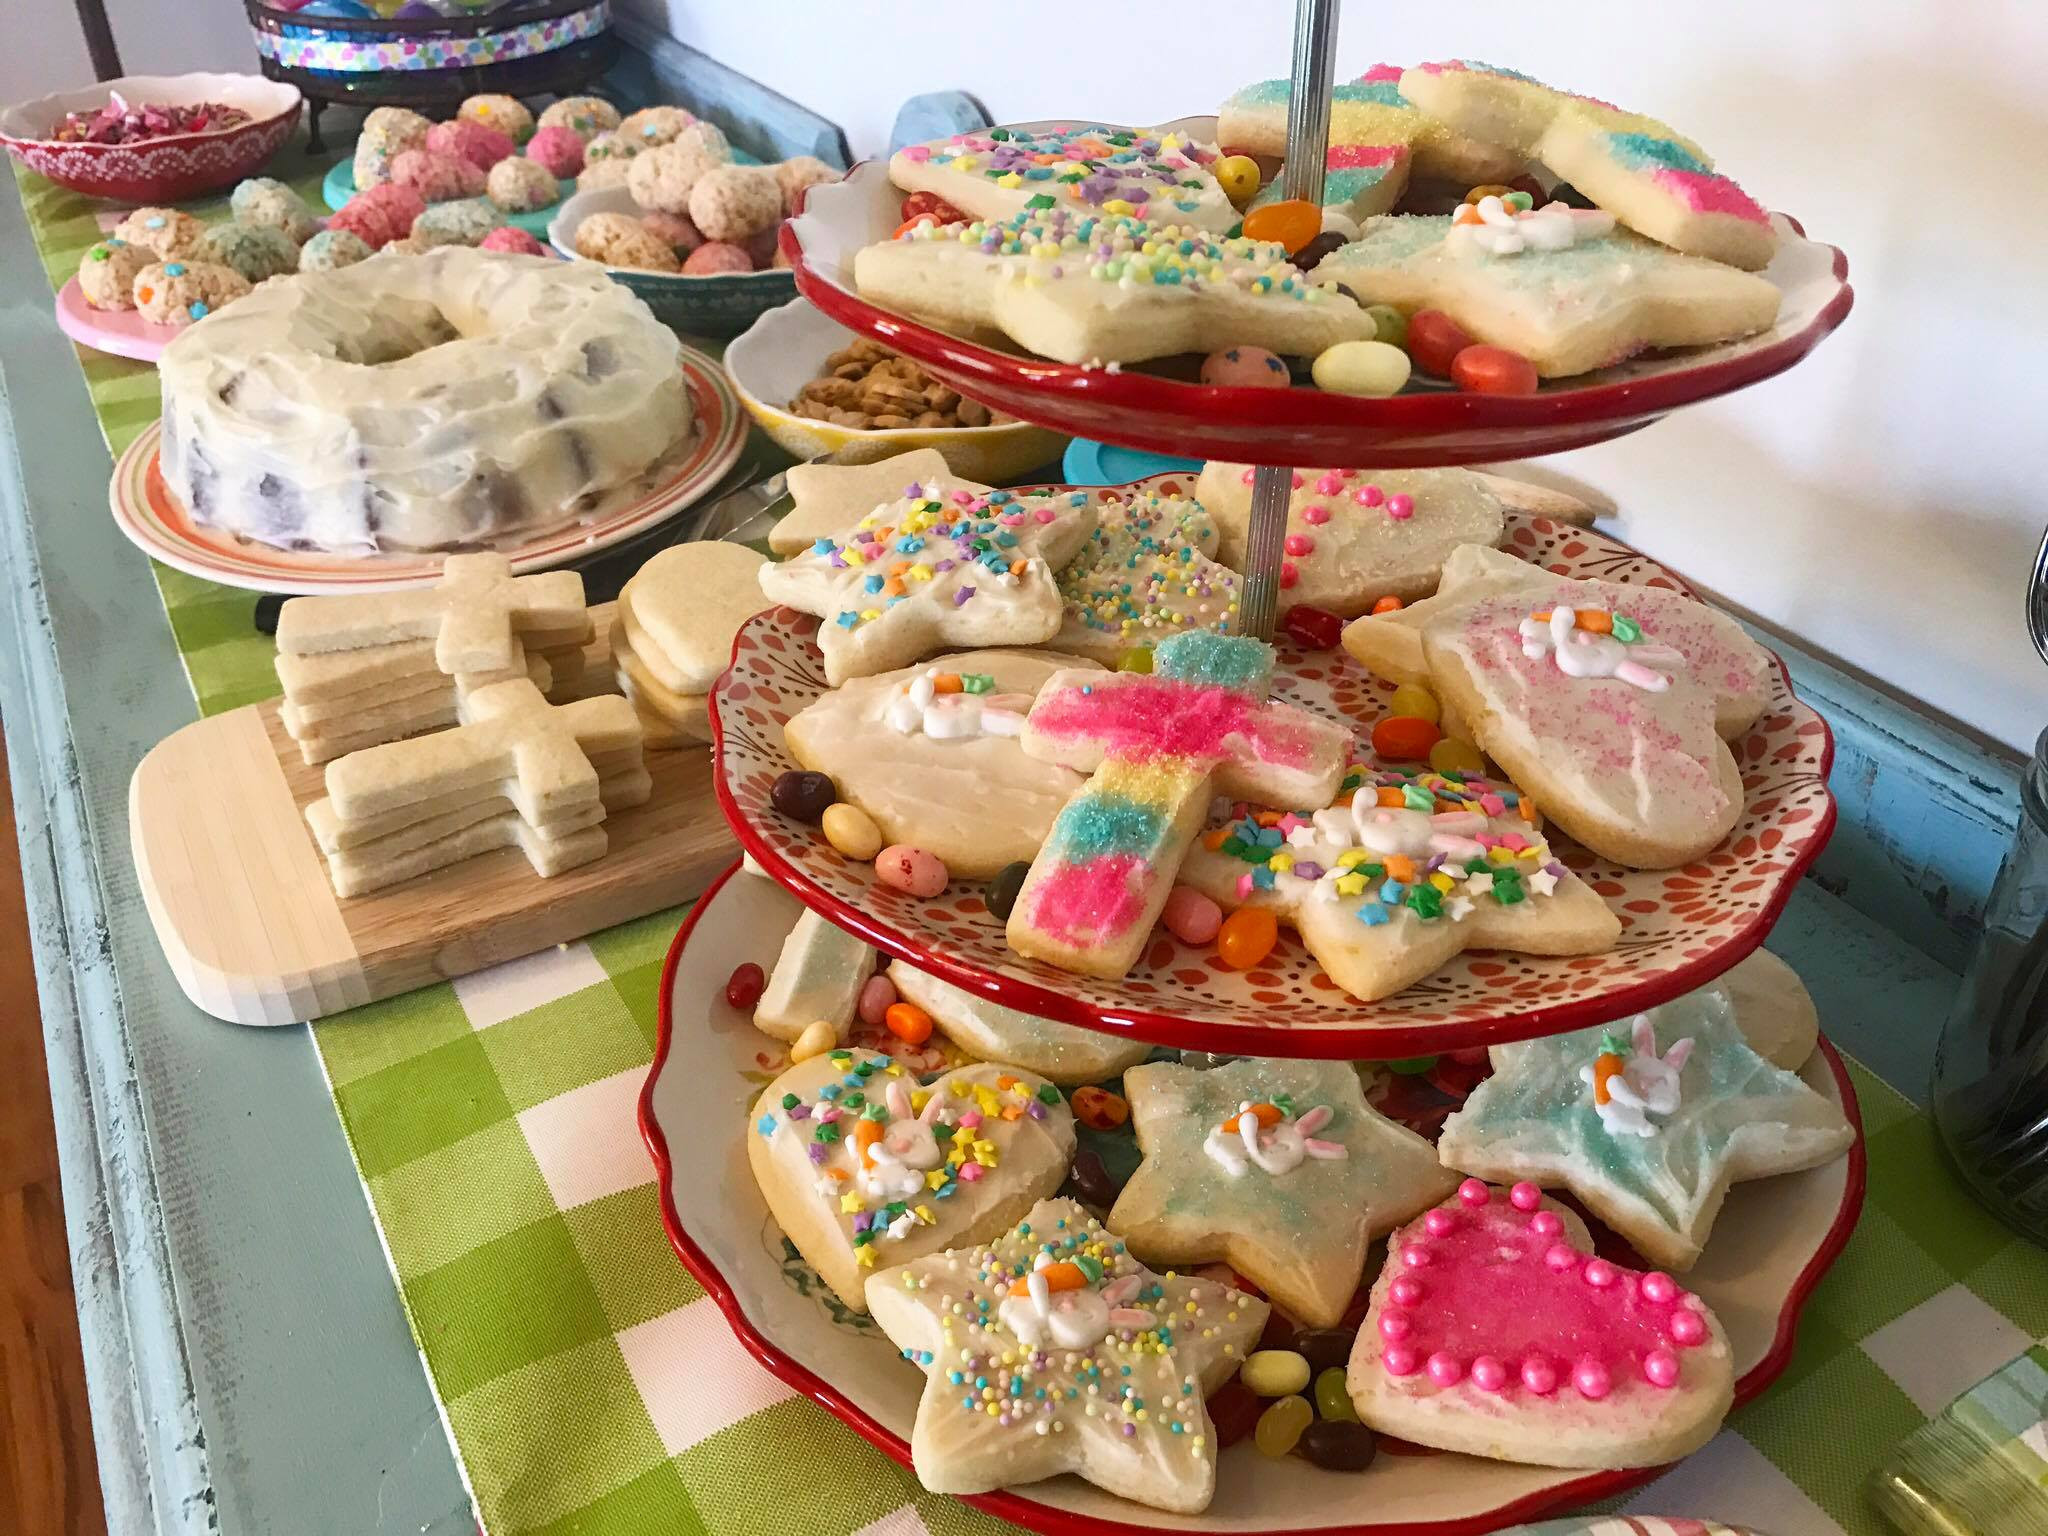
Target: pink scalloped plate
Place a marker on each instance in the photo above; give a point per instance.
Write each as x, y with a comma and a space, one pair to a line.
121, 332
1680, 927
1773, 1242
1290, 427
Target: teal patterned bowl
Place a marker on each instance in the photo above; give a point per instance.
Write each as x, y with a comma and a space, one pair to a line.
718, 305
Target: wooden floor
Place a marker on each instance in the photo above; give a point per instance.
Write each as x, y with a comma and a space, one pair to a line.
49, 1481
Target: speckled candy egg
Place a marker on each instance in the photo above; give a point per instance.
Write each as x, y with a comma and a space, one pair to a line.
482, 147
502, 114
460, 223
1244, 368
735, 202
331, 250
255, 250
557, 148
584, 116
379, 215
266, 201
911, 870
513, 240
519, 185
106, 274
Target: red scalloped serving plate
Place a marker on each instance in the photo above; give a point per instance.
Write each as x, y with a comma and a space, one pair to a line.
1680, 927
1304, 426
1774, 1240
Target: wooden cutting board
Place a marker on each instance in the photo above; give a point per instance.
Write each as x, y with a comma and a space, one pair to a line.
239, 897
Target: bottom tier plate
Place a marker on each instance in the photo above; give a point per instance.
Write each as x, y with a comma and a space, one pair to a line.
1774, 1240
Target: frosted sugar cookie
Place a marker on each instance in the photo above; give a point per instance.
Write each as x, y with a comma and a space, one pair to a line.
1049, 1312
863, 1167
1367, 113
1060, 1053
1145, 575
1278, 1169
1494, 1331
828, 499
1081, 287
1601, 295
999, 173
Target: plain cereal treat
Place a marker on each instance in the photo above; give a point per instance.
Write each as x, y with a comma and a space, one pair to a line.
501, 114
388, 132
620, 240
796, 176
663, 178
165, 231
584, 116
256, 251
651, 127
519, 185
263, 200
106, 276
178, 292
735, 202
331, 250
463, 223
603, 173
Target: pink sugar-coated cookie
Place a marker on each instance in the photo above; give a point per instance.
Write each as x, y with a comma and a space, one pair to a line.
510, 237
560, 150
464, 140
437, 178
674, 230
716, 256
379, 215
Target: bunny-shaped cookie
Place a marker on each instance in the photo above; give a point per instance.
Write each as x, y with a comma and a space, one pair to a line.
1627, 1090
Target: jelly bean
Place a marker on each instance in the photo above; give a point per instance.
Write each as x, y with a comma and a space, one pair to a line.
1311, 255
1416, 702
1238, 176
876, 997
1292, 223
1280, 1427
1403, 739
1190, 916
1493, 371
1278, 1332
1451, 755
1091, 1181
802, 795
1234, 1410
744, 986
1325, 1348
1274, 1372
1313, 629
852, 831
1246, 937
908, 1023
1001, 894
1531, 188
1411, 1066
1388, 604
1491, 189
1369, 368
1338, 1445
1392, 324
1333, 1399
1137, 659
1518, 202
933, 204
910, 870
1099, 1109
1245, 368
817, 1038
1434, 339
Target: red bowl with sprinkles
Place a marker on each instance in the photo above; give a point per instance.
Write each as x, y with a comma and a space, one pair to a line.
1301, 425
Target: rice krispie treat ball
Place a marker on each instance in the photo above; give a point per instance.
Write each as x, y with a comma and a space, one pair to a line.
463, 223
482, 147
795, 176
331, 250
388, 132
255, 250
673, 230
602, 173
735, 202
380, 215
178, 292
262, 200
512, 239
651, 127
584, 116
409, 246
106, 274
437, 178
520, 185
715, 256
163, 231
559, 149
662, 178
620, 240
501, 114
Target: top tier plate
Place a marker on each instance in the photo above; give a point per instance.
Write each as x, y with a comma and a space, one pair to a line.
1680, 927
1303, 426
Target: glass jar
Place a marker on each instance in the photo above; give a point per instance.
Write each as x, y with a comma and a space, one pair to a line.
1991, 1068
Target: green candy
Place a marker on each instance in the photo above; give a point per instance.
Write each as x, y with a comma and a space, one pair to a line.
1390, 325
1332, 1400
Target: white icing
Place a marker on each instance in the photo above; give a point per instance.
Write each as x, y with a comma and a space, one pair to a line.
1648, 1084
1502, 231
1242, 1143
895, 1166
1076, 1319
1583, 653
919, 709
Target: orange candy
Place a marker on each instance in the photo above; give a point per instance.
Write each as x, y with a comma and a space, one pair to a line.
1062, 1276
908, 1023
1099, 1109
1388, 605
1292, 223
909, 224
1404, 739
1246, 937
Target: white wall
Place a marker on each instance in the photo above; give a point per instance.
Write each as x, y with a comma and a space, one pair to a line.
156, 37
1882, 500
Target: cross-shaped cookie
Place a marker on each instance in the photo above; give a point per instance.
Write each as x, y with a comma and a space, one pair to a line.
474, 615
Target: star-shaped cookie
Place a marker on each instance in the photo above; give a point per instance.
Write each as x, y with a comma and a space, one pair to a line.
828, 499
1591, 303
932, 572
1051, 1349
1407, 869
1648, 1131
1277, 1168
1147, 573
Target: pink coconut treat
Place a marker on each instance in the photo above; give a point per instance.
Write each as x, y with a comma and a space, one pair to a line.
510, 237
674, 230
717, 256
379, 215
560, 150
464, 140
437, 178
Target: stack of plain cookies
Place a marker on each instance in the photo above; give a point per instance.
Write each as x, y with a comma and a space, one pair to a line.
672, 634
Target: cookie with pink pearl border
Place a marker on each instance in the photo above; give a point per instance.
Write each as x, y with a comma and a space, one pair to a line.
1493, 1330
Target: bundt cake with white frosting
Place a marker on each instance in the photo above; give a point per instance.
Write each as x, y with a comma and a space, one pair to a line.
449, 400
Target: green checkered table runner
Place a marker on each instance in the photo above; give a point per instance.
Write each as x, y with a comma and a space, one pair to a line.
591, 1386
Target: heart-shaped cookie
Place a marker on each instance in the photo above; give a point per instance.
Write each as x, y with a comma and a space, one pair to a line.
1493, 1330
864, 1167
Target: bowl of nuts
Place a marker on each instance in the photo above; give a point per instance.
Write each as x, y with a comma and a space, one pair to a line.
816, 387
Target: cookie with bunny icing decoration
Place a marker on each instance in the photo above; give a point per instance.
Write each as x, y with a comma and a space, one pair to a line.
864, 1167
1493, 1330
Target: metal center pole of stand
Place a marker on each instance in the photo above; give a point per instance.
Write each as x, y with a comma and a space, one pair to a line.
1308, 141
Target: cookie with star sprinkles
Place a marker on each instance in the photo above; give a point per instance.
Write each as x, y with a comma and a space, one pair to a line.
1050, 1349
865, 1167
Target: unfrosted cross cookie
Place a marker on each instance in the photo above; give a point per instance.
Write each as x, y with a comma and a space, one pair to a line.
474, 615
1277, 1168
1646, 174
1147, 573
1157, 746
1050, 1349
1090, 288
929, 571
1647, 1122
1409, 868
998, 173
1570, 308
